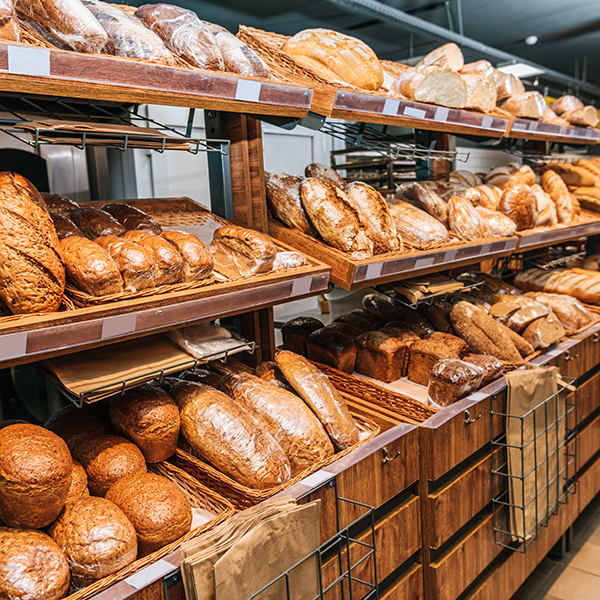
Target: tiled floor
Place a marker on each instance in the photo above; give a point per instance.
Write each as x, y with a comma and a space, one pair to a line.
577, 575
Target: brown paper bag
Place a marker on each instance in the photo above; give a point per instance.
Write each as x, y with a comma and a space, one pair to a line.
269, 550
535, 452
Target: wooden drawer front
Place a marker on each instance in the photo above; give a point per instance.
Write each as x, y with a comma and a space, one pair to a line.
328, 510
580, 358
407, 587
588, 486
447, 439
588, 442
588, 398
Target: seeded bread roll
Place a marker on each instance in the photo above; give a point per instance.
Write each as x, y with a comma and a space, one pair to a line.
97, 539
198, 262
59, 205
332, 348
94, 223
35, 471
132, 218
157, 508
296, 331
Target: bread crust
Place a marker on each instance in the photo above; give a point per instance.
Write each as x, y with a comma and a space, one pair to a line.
198, 262
519, 203
132, 218
283, 198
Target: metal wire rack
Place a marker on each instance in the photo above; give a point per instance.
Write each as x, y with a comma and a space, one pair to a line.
430, 298
17, 112
540, 158
533, 464
371, 138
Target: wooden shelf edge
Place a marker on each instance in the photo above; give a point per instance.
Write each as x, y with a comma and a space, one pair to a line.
547, 132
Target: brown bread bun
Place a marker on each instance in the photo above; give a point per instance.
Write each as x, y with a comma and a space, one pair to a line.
31, 566
35, 471
106, 459
519, 203
79, 481
96, 537
148, 416
158, 510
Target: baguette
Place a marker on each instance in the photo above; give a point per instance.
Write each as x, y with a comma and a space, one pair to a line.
572, 175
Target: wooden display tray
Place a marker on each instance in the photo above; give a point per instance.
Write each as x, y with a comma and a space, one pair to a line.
538, 238
29, 69
352, 274
28, 338
528, 129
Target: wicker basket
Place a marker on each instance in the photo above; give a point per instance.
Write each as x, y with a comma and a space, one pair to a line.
243, 497
199, 497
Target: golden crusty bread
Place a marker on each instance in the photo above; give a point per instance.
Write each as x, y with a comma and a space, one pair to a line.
586, 116
31, 566
197, 260
530, 105
432, 84
566, 103
148, 416
158, 510
448, 56
78, 486
524, 175
574, 175
555, 187
106, 459
508, 85
96, 537
35, 471
588, 197
519, 203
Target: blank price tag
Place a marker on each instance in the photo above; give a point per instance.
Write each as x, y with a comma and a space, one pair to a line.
450, 256
13, 345
317, 478
119, 325
300, 287
374, 271
485, 249
441, 115
487, 122
414, 112
155, 571
424, 262
391, 107
533, 126
248, 90
28, 61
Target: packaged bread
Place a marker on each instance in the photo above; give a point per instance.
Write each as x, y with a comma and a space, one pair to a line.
336, 57
381, 355
158, 509
519, 203
96, 537
491, 366
530, 105
150, 418
586, 116
566, 103
237, 57
135, 262
78, 485
523, 175
416, 227
431, 202
432, 84
32, 275
198, 262
544, 332
567, 314
65, 23
240, 252
375, 217
486, 196
283, 199
508, 85
555, 187
183, 33
59, 205
289, 260
333, 348
127, 35
334, 217
230, 437
168, 263
106, 459
288, 419
448, 56
65, 227
132, 217
295, 332
94, 222
500, 175
464, 220
496, 223
453, 379
422, 356
32, 565
35, 470
318, 392
74, 424
326, 174
270, 372
9, 27
464, 177
546, 209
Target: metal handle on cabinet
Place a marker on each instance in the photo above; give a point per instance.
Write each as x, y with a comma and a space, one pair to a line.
568, 357
596, 338
468, 419
386, 458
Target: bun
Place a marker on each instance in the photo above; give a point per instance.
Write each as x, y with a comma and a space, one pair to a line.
197, 260
132, 218
78, 486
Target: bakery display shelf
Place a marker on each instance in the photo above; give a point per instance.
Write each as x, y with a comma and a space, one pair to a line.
548, 132
352, 274
538, 238
555, 258
26, 69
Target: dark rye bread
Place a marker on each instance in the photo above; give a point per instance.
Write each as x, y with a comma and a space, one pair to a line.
332, 348
296, 331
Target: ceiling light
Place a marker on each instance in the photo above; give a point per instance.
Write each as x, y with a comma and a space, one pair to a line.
520, 69
531, 40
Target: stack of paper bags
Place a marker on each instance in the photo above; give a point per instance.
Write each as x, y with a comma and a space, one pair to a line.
427, 285
253, 549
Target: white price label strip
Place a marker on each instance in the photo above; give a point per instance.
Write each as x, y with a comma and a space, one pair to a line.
155, 571
28, 61
301, 286
450, 256
118, 325
374, 270
317, 478
248, 90
477, 396
441, 115
426, 261
391, 107
13, 345
487, 122
414, 112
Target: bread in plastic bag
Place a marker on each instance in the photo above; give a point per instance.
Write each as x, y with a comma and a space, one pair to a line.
288, 419
497, 223
464, 220
492, 367
487, 196
452, 379
567, 314
206, 340
183, 33
544, 332
431, 202
127, 35
289, 260
416, 227
229, 437
9, 27
198, 262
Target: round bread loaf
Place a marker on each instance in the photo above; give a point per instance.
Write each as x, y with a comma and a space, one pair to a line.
78, 483
35, 471
32, 566
75, 424
519, 203
96, 537
106, 459
148, 416
159, 511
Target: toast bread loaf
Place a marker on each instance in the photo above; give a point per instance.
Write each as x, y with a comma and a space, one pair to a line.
422, 356
295, 332
333, 348
492, 367
381, 356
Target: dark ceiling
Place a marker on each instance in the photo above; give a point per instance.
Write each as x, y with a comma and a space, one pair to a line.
568, 32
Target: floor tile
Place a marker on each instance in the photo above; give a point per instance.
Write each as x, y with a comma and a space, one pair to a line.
595, 536
587, 559
574, 584
530, 587
546, 567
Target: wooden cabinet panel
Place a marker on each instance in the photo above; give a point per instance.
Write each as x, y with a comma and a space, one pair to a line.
408, 587
581, 357
328, 518
588, 486
588, 398
588, 442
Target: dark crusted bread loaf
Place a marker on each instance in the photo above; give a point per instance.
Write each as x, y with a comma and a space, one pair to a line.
374, 318
201, 376
422, 356
456, 344
332, 348
492, 367
106, 459
158, 509
35, 471
132, 218
32, 566
452, 379
380, 355
357, 320
344, 328
97, 539
149, 417
59, 205
197, 260
65, 227
296, 331
94, 222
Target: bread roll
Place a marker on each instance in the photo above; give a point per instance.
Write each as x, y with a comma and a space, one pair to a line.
566, 103
78, 485
464, 220
149, 417
94, 222
326, 174
519, 203
325, 51
158, 509
416, 227
75, 424
32, 566
9, 27
496, 223
432, 84
96, 537
508, 85
198, 262
132, 218
229, 437
316, 390
32, 276
106, 459
59, 205
283, 199
447, 56
555, 187
530, 105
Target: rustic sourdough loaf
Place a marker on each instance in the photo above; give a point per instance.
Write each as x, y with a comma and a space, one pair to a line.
326, 174
448, 56
198, 262
432, 84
